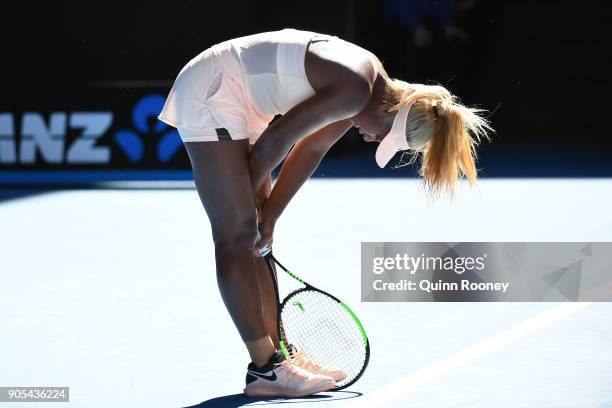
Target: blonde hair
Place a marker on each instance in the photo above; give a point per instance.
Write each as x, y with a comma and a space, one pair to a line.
443, 130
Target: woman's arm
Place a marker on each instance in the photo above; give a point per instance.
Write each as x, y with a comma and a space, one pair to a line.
341, 100
299, 165
262, 196
302, 161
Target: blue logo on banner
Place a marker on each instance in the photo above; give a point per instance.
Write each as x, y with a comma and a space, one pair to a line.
131, 142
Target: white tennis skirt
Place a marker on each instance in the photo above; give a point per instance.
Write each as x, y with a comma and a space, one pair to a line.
208, 101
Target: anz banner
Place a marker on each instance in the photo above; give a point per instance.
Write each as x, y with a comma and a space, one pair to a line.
119, 140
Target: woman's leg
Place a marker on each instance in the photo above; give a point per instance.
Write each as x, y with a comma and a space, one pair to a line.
221, 175
268, 293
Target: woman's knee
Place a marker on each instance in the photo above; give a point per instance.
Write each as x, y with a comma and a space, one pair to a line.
235, 237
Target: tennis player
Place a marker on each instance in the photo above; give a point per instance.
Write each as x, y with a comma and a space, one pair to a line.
222, 103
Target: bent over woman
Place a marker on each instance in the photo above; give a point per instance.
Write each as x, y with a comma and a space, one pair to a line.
222, 103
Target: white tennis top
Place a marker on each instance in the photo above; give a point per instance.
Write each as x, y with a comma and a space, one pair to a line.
241, 84
272, 65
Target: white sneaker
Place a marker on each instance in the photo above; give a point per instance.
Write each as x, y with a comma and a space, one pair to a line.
300, 359
280, 378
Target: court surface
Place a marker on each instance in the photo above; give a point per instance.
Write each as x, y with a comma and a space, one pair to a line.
113, 293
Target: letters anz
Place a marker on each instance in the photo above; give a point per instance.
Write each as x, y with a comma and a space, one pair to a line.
49, 137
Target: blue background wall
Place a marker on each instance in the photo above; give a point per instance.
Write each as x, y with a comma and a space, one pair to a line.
82, 82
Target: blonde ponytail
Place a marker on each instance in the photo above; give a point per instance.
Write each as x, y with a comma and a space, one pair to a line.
445, 132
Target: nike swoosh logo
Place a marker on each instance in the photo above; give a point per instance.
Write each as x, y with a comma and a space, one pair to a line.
265, 377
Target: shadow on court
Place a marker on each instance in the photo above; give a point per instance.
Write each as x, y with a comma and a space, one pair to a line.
8, 194
240, 400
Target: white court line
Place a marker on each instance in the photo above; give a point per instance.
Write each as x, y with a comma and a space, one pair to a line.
411, 382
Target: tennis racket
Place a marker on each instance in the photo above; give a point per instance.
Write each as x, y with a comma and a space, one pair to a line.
321, 326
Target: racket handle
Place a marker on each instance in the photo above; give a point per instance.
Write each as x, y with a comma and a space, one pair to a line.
265, 250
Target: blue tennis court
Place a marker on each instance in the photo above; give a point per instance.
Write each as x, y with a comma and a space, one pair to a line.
113, 293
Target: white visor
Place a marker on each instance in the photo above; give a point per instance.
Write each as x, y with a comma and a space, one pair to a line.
396, 139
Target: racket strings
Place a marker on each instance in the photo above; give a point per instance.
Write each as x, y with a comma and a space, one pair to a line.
318, 325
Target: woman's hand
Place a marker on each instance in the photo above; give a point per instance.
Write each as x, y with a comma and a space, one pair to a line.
266, 229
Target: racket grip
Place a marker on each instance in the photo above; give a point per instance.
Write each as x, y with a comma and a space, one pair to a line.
265, 250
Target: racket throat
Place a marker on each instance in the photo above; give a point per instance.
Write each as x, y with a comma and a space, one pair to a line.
284, 348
